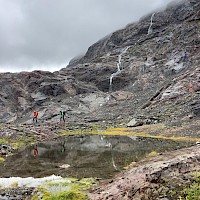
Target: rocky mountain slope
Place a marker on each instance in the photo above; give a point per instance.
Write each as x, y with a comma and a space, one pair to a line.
149, 71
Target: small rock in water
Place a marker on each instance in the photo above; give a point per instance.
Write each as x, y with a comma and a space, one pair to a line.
198, 143
65, 166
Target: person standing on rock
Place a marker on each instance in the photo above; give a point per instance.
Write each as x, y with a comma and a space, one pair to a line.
35, 116
62, 116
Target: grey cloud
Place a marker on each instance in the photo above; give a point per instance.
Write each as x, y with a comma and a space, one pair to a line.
46, 34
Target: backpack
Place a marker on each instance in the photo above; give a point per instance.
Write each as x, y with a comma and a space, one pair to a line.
62, 113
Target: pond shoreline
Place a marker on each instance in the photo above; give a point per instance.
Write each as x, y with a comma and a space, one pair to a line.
156, 184
162, 176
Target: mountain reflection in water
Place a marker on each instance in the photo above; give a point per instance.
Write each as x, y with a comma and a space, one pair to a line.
84, 156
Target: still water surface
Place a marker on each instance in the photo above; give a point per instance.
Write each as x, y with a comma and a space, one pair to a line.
83, 156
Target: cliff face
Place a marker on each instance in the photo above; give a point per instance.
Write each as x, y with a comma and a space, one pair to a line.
148, 69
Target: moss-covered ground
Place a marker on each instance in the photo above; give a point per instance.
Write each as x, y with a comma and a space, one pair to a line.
72, 189
18, 142
158, 131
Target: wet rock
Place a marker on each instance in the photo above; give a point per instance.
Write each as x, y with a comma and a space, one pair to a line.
135, 122
5, 149
141, 120
17, 193
65, 166
121, 95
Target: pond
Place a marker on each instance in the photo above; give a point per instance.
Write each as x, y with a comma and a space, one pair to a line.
83, 156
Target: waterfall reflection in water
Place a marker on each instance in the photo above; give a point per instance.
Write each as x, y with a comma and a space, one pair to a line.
84, 156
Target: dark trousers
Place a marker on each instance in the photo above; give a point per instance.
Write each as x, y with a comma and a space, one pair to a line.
35, 119
62, 118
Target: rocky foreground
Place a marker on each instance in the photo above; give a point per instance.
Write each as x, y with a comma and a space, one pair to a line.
17, 193
160, 177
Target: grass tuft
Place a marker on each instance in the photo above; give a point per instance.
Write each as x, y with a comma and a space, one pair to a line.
153, 153
2, 160
69, 195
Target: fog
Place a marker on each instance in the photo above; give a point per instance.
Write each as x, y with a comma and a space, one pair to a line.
46, 34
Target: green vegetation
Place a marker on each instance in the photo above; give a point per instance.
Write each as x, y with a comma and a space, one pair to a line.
3, 141
14, 184
21, 142
74, 189
69, 195
83, 184
129, 131
2, 160
193, 191
153, 153
75, 184
157, 131
18, 142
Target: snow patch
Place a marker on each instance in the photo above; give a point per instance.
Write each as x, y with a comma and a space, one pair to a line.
30, 181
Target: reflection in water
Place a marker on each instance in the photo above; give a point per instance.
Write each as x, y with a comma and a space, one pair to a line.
35, 151
113, 161
62, 147
83, 156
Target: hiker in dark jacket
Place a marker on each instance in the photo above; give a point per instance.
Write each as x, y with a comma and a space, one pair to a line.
62, 116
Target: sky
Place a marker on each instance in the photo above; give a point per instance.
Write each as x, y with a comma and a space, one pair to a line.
47, 34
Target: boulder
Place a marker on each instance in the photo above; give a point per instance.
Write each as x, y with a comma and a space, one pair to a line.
135, 122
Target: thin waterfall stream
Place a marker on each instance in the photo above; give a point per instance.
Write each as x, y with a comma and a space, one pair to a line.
119, 67
150, 26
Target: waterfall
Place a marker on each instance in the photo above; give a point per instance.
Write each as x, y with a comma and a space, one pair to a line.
119, 59
111, 78
119, 68
119, 62
150, 29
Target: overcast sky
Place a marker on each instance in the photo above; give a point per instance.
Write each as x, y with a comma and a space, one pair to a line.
46, 34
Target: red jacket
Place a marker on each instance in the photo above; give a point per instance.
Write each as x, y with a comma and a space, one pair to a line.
35, 114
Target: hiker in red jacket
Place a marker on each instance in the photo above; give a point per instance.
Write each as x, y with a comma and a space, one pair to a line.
35, 115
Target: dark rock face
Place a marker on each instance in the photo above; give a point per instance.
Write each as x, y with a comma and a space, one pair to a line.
157, 63
24, 92
195, 106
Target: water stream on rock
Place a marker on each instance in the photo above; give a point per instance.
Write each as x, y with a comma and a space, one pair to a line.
119, 67
82, 156
150, 26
